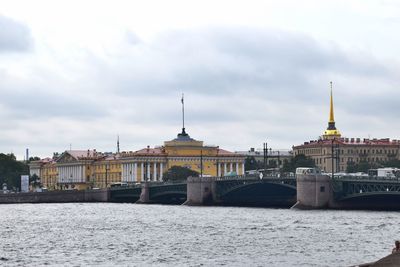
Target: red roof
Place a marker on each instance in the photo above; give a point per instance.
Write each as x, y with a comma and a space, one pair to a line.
352, 141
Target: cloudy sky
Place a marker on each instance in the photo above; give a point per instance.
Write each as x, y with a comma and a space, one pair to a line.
80, 73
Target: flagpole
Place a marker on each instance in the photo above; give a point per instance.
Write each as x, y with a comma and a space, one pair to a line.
183, 114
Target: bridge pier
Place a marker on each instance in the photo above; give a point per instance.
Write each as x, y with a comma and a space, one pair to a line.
314, 191
145, 194
200, 191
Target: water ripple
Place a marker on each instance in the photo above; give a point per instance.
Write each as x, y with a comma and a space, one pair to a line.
106, 234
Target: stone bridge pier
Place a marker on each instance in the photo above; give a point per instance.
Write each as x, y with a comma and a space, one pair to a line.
200, 191
318, 191
314, 191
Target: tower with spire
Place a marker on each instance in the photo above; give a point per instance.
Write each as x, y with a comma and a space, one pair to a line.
331, 132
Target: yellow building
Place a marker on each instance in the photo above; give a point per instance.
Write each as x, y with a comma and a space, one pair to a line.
46, 170
106, 171
83, 169
149, 164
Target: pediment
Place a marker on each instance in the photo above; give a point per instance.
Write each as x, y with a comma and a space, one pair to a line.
66, 158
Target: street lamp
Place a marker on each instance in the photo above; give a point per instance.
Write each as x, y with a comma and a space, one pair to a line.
107, 169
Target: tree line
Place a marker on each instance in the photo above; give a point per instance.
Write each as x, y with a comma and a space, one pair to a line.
11, 171
288, 165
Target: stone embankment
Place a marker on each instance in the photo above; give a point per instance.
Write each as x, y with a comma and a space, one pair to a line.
56, 197
392, 260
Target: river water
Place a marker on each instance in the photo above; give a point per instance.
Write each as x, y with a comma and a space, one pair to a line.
107, 234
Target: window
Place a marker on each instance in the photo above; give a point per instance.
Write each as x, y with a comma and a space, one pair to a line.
322, 189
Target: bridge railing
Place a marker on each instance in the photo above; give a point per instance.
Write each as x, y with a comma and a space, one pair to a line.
252, 177
366, 178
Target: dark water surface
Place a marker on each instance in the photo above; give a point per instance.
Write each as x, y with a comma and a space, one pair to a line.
106, 234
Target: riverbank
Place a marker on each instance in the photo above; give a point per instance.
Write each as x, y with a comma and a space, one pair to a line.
65, 196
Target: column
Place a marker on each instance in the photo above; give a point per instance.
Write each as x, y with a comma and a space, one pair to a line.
131, 172
123, 172
219, 169
237, 168
243, 172
142, 172
224, 169
231, 167
161, 171
148, 171
155, 172
135, 172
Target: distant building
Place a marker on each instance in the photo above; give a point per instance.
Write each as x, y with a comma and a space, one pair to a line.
82, 169
332, 152
150, 163
275, 158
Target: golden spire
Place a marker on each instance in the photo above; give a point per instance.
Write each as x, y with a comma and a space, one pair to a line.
331, 115
331, 132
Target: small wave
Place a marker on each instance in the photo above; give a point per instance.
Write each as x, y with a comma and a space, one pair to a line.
3, 259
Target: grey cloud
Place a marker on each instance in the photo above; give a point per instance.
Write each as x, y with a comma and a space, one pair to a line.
14, 36
230, 60
254, 83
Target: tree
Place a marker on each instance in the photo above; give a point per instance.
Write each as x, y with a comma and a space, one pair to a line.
11, 170
178, 173
34, 180
33, 158
362, 166
297, 161
250, 163
395, 163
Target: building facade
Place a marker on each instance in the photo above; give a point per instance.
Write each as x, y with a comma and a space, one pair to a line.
150, 164
271, 158
334, 153
83, 169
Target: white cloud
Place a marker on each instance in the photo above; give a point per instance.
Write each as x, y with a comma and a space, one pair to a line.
247, 79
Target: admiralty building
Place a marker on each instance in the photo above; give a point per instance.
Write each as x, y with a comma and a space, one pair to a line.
83, 169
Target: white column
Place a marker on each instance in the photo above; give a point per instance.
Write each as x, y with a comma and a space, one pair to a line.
135, 172
125, 172
142, 171
224, 169
131, 172
148, 171
219, 169
237, 168
128, 172
155, 172
161, 171
231, 167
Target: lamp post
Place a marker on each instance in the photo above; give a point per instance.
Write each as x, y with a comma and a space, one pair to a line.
107, 169
201, 163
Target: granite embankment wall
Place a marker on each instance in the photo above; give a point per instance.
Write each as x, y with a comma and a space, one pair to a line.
56, 197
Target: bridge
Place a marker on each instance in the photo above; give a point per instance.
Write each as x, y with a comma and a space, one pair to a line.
347, 192
367, 192
229, 190
272, 191
129, 194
